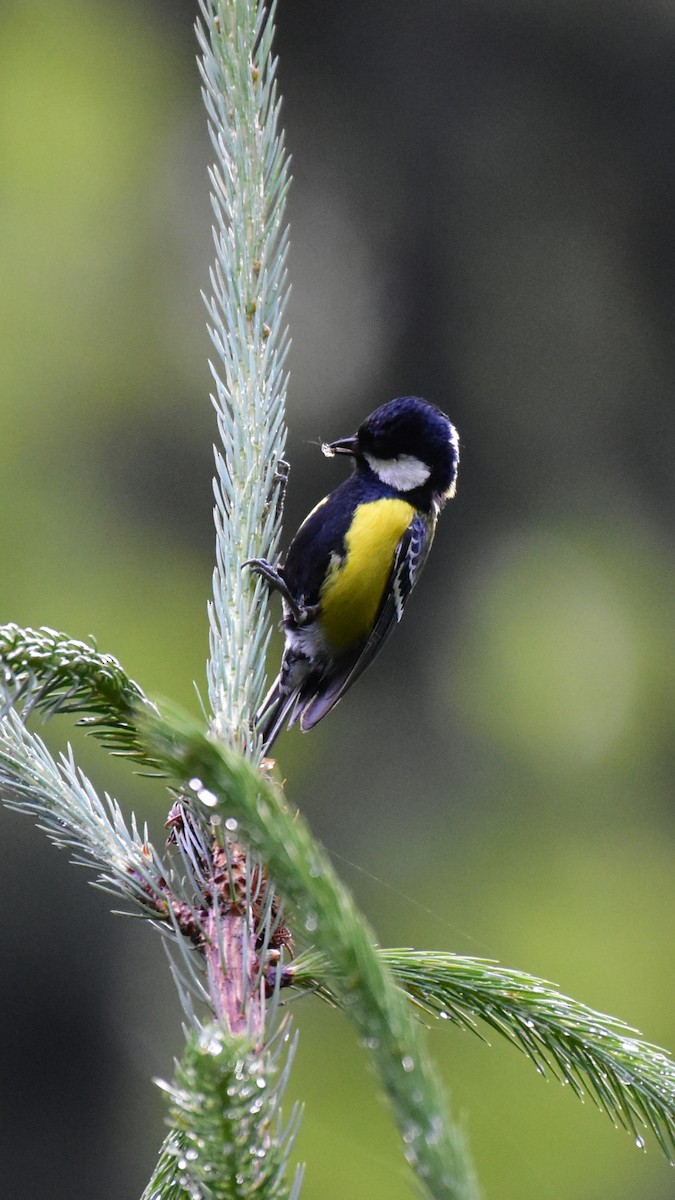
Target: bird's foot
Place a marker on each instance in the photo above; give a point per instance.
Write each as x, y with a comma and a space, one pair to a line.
276, 583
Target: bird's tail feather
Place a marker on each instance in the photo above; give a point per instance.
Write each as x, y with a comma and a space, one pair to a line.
310, 701
277, 710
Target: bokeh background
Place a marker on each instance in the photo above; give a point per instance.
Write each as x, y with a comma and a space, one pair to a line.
482, 213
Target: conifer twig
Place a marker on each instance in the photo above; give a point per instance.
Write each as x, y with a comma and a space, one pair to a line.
249, 292
597, 1055
232, 1147
230, 788
49, 672
225, 1098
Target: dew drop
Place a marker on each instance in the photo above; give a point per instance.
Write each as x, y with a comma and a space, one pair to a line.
408, 1063
207, 797
195, 785
640, 1142
261, 1082
231, 824
311, 923
411, 1133
444, 1014
192, 1155
371, 1043
435, 1132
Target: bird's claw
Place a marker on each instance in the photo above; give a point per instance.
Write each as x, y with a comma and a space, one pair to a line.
276, 583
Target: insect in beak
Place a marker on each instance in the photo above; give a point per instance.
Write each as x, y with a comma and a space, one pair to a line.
349, 445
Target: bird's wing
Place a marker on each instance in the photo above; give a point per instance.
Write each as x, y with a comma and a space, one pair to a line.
409, 558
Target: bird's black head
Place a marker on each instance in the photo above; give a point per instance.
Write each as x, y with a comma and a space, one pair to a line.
411, 446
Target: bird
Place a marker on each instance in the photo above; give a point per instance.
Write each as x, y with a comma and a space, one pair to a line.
356, 557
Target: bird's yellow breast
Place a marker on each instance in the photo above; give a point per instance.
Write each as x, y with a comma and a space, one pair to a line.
354, 585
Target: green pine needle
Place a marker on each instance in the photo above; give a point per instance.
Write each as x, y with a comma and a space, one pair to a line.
597, 1055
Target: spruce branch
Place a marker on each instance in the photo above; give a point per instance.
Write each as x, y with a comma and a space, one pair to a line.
228, 1141
228, 1144
68, 808
224, 927
249, 291
49, 672
597, 1055
230, 788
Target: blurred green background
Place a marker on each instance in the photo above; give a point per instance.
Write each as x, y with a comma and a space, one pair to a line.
482, 213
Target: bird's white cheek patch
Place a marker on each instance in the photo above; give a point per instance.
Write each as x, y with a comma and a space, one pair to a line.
403, 473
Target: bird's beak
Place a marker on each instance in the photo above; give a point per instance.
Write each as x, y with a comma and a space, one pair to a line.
348, 445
